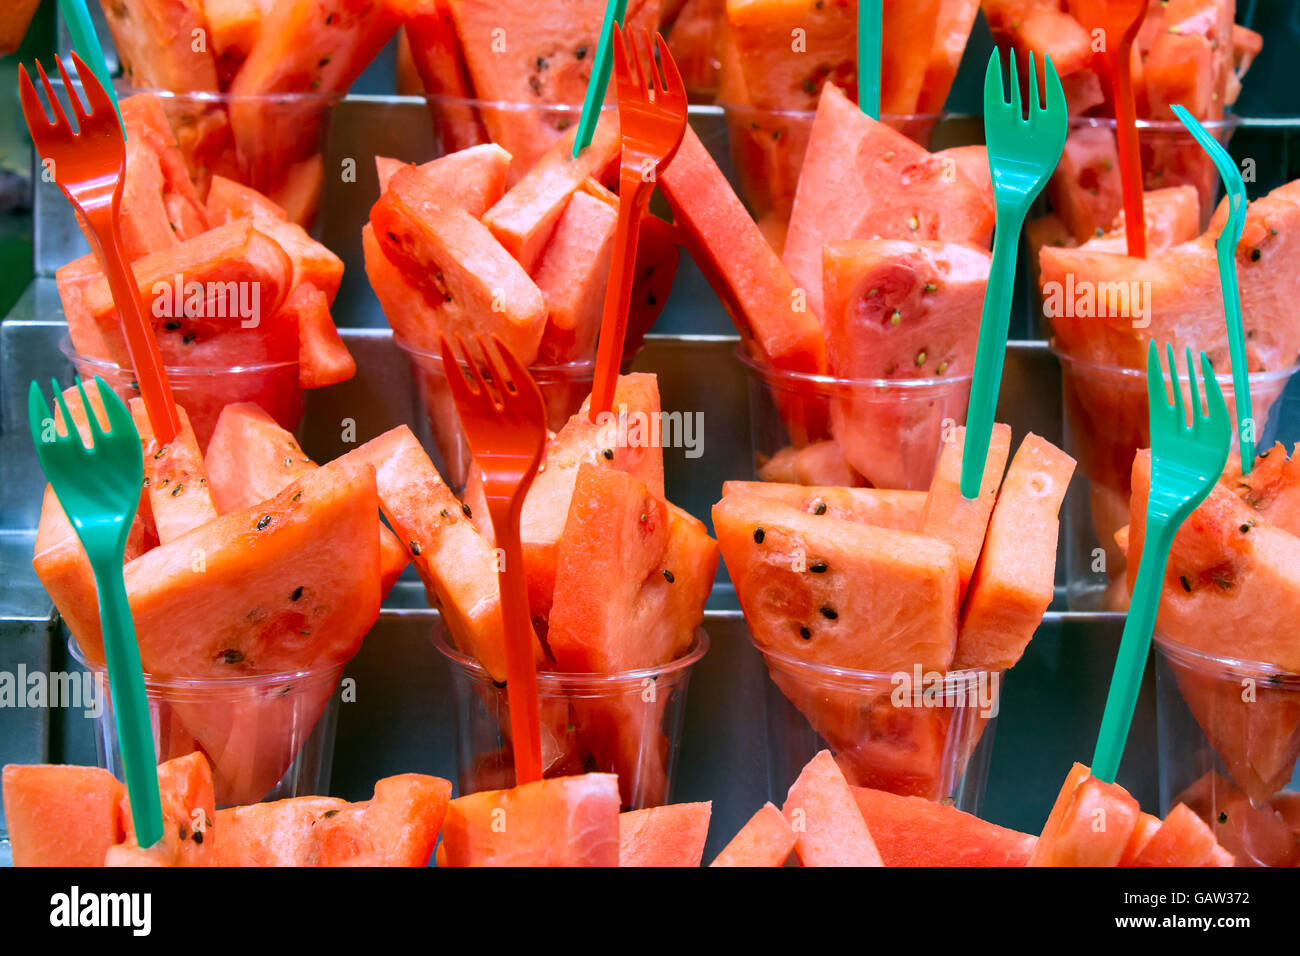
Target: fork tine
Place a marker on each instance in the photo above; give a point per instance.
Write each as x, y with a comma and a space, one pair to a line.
461, 392
482, 390
69, 423
1178, 389
1054, 92
491, 352
1198, 416
1215, 407
60, 118
994, 89
73, 98
1013, 81
656, 81
92, 417
96, 96
621, 68
673, 84
38, 411
115, 410
32, 106
1033, 86
634, 55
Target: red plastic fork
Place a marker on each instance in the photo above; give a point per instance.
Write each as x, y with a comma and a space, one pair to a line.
90, 167
504, 419
652, 118
1119, 22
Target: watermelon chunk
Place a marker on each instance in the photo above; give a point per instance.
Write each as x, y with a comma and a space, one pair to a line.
437, 56
912, 831
1182, 840
472, 178
567, 821
154, 42
1085, 189
180, 498
185, 789
951, 31
410, 315
1090, 824
1171, 217
838, 592
900, 510
766, 840
143, 212
1250, 834
1014, 581
1042, 26
743, 270
60, 815
821, 463
1272, 488
912, 194
398, 826
949, 515
572, 274
672, 835
829, 829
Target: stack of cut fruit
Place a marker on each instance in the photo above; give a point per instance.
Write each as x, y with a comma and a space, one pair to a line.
238, 295
509, 73
450, 251
835, 582
1188, 52
882, 278
62, 815
251, 83
1104, 308
777, 56
1226, 611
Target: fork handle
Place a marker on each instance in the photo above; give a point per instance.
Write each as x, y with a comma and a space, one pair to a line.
633, 198
1130, 156
989, 356
1130, 661
521, 666
141, 346
130, 704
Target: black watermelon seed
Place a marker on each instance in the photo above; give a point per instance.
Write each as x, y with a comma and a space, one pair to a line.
1187, 585
668, 576
198, 836
1223, 816
445, 513
1255, 255
608, 453
415, 548
759, 535
805, 633
820, 509
297, 593
177, 490
468, 513
262, 522
231, 656
818, 568
171, 326
830, 613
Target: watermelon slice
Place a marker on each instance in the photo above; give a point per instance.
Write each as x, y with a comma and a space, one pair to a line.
821, 463
410, 315
472, 178
951, 31
839, 593
251, 458
693, 40
437, 57
1182, 840
900, 510
323, 359
398, 826
1090, 823
1042, 26
539, 57
949, 515
185, 789
1171, 217
154, 42
1085, 189
913, 195
1014, 581
572, 274
829, 829
61, 815
568, 821
912, 831
766, 840
1272, 488
1252, 835
143, 212
180, 498
672, 835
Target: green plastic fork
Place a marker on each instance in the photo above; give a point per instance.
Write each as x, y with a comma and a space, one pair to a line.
1225, 248
1023, 152
99, 490
1186, 462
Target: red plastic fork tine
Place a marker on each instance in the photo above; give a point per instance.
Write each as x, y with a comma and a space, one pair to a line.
645, 47
481, 389
456, 381
505, 382
73, 98
60, 118
621, 68
519, 376
673, 84
32, 106
97, 97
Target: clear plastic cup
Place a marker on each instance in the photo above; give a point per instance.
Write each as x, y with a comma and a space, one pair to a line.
1228, 735
915, 734
820, 430
627, 723
768, 146
204, 392
564, 388
267, 737
1106, 422
275, 143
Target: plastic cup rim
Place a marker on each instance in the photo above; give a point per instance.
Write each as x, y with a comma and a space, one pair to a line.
570, 369
558, 681
773, 375
173, 371
1255, 378
1230, 121
219, 97
847, 675
1206, 661
886, 118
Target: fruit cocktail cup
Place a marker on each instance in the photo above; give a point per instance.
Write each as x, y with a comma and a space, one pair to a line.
1228, 734
819, 430
267, 737
627, 723
1106, 423
916, 734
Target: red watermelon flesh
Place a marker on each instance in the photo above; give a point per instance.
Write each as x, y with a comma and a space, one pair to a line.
900, 510
1182, 840
464, 274
1190, 58
323, 359
952, 30
766, 840
1272, 488
525, 217
59, 815
693, 40
829, 828
836, 592
1085, 189
949, 515
1252, 835
912, 831
545, 60
821, 463
251, 458
472, 178
1042, 26
1145, 828
747, 275
440, 62
143, 212
146, 121
1171, 217
398, 826
1090, 824
185, 789
1014, 581
154, 41
567, 821
411, 316
913, 195
572, 274
671, 835
658, 254
180, 498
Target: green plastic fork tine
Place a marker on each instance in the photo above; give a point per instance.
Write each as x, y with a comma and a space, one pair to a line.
69, 423
92, 418
1033, 88
1055, 92
1179, 409
119, 416
993, 85
1198, 415
1013, 83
